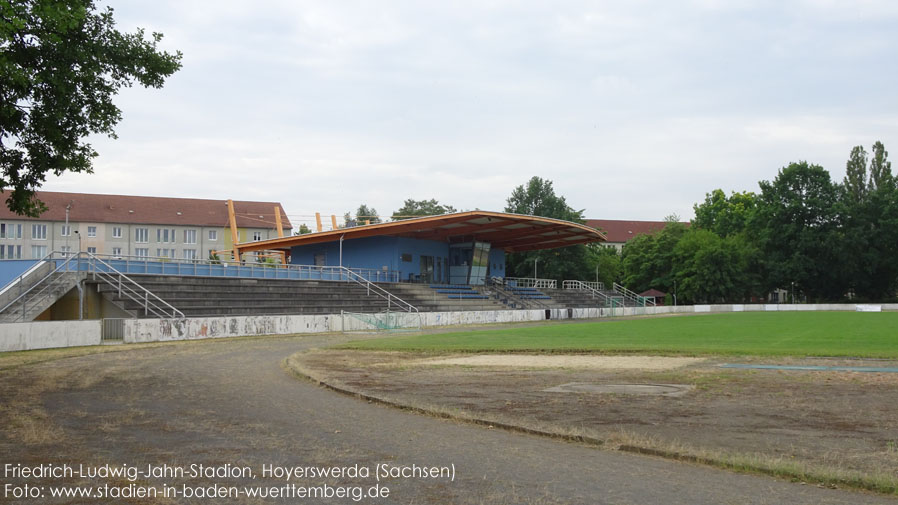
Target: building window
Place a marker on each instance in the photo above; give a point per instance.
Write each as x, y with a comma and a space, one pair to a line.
165, 253
91, 231
92, 250
39, 232
165, 236
65, 250
14, 252
66, 230
116, 232
142, 236
117, 252
213, 234
257, 236
38, 251
190, 236
2, 230
189, 254
142, 252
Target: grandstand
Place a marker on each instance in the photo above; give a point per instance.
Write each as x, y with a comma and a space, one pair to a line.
458, 259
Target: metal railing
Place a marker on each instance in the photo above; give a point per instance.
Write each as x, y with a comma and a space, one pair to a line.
377, 290
28, 298
530, 282
640, 301
608, 301
498, 284
65, 263
128, 288
221, 268
598, 286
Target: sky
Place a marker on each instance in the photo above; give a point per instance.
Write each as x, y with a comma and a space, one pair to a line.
635, 110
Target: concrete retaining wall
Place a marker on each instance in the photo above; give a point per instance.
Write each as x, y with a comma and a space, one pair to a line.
47, 334
42, 335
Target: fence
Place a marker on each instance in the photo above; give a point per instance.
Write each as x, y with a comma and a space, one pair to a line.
530, 282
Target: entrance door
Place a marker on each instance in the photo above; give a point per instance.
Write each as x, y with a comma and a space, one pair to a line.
427, 269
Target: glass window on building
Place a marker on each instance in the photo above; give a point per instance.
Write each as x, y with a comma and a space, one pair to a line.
142, 252
142, 236
189, 254
14, 252
116, 232
91, 231
38, 251
257, 236
66, 230
117, 252
39, 232
190, 236
213, 234
65, 250
92, 250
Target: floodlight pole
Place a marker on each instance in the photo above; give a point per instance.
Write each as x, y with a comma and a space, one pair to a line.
535, 260
341, 251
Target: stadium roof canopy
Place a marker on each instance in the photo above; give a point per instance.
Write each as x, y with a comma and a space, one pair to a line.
512, 232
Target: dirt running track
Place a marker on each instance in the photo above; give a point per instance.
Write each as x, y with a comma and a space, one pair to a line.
231, 402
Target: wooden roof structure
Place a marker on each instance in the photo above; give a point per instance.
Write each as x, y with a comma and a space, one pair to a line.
512, 232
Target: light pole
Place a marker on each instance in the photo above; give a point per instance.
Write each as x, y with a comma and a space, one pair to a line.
793, 292
597, 274
79, 241
535, 260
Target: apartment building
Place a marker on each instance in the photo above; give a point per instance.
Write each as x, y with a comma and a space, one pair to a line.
138, 226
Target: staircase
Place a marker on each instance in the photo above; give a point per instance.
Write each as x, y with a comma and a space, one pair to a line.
212, 296
457, 298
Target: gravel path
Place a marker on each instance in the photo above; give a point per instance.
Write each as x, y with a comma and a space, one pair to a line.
230, 402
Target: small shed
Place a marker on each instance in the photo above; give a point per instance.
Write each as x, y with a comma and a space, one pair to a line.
655, 295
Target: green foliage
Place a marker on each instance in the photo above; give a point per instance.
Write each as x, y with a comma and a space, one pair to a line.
828, 239
648, 260
302, 230
725, 216
61, 63
606, 261
365, 213
413, 208
538, 198
214, 258
798, 226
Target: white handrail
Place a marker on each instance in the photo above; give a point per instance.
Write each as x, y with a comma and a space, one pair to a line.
583, 286
530, 282
383, 293
646, 300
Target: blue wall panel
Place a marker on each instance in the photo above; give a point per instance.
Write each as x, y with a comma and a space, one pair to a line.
378, 252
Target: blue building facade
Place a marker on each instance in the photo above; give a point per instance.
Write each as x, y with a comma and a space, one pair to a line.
415, 260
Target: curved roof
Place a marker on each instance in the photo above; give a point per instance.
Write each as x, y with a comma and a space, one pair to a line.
512, 232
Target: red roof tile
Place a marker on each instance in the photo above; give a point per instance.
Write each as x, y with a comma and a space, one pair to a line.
151, 210
623, 231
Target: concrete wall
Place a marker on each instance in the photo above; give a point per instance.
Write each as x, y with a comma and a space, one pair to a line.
44, 335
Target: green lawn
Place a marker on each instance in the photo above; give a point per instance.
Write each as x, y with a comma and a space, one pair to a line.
751, 333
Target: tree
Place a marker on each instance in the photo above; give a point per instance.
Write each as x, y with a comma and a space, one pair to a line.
538, 198
369, 214
880, 168
869, 222
648, 260
798, 226
61, 62
724, 215
605, 263
302, 230
855, 182
413, 208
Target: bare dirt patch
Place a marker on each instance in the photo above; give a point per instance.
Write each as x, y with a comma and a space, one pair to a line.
839, 427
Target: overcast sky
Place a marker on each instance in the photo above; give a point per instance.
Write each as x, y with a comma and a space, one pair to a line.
634, 109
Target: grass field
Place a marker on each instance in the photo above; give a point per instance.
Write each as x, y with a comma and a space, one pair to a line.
853, 334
